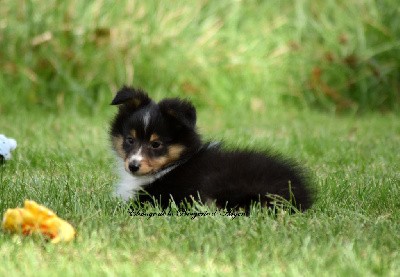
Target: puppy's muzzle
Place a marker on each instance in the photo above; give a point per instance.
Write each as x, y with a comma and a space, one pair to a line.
134, 166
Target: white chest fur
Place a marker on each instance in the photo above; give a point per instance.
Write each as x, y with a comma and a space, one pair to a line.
128, 184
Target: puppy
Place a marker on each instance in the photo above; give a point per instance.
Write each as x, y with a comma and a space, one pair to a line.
163, 158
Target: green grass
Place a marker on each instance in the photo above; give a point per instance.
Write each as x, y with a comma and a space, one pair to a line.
333, 55
353, 229
260, 73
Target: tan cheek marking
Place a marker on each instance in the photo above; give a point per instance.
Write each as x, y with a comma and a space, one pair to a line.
126, 163
154, 137
133, 133
175, 151
158, 163
151, 165
173, 154
117, 143
145, 167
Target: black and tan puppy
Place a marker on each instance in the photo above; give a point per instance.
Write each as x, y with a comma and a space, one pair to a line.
162, 157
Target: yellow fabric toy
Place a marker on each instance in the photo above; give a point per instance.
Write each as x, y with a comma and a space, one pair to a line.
37, 219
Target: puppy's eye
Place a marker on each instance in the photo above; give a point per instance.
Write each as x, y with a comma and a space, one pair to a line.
129, 140
155, 144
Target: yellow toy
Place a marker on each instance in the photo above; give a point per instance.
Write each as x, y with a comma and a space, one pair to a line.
37, 219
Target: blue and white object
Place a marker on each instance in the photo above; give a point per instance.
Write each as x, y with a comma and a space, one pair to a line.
6, 146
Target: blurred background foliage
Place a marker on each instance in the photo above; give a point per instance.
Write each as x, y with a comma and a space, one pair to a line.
330, 55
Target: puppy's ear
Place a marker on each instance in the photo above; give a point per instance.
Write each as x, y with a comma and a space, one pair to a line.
181, 112
132, 98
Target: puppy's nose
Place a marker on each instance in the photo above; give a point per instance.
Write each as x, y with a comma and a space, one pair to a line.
134, 166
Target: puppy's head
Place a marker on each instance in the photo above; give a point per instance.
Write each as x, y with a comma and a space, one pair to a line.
151, 136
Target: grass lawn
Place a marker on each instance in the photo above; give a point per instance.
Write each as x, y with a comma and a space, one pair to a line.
317, 81
63, 161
